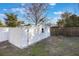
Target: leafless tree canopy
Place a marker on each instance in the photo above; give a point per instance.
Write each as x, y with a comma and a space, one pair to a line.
36, 12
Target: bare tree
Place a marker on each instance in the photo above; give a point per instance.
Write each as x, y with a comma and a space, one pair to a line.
36, 12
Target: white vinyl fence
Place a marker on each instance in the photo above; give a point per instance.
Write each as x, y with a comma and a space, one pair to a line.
23, 37
4, 34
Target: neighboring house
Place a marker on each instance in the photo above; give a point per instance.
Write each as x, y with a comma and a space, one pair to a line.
24, 36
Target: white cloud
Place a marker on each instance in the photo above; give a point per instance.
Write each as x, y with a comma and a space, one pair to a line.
23, 4
58, 13
55, 19
18, 10
15, 9
5, 9
52, 4
2, 15
58, 17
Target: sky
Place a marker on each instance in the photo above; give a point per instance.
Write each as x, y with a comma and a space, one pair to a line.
54, 10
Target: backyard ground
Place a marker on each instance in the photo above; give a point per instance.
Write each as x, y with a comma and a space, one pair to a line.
52, 46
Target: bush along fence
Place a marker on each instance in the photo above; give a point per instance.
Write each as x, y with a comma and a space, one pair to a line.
65, 31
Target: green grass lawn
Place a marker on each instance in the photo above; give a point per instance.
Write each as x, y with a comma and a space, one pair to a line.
54, 45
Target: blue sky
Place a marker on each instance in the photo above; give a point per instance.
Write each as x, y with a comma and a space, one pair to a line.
54, 10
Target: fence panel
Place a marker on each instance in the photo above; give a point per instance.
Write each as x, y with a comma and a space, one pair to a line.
3, 34
23, 37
